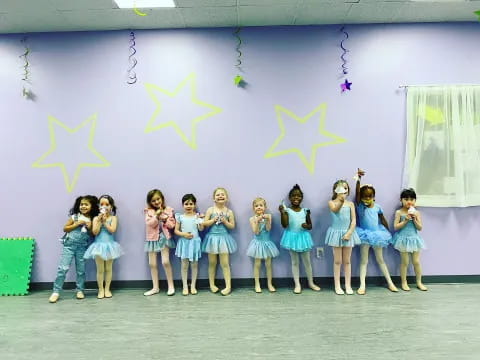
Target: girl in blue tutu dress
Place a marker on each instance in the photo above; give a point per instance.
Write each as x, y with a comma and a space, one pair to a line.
296, 238
218, 241
341, 235
189, 243
159, 221
261, 247
372, 229
104, 248
406, 240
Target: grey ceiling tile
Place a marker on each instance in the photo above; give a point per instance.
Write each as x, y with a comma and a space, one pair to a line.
373, 13
203, 3
266, 15
209, 16
322, 13
82, 4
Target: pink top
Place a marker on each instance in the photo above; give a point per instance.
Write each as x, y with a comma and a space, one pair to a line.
152, 223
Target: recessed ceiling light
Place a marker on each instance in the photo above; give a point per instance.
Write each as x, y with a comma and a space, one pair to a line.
143, 4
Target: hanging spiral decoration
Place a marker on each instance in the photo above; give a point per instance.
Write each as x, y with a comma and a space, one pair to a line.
344, 51
132, 75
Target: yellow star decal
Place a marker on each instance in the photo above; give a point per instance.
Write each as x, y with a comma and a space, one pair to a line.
309, 164
190, 82
433, 115
51, 122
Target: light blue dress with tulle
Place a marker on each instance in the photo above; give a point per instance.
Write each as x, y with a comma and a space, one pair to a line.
104, 245
406, 239
369, 230
218, 240
340, 223
188, 248
295, 237
261, 246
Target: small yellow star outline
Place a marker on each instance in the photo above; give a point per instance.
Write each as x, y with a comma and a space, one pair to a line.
309, 164
51, 122
190, 81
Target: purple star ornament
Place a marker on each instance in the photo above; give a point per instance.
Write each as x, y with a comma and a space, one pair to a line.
345, 86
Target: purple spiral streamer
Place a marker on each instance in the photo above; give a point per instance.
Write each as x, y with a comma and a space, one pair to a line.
132, 75
344, 52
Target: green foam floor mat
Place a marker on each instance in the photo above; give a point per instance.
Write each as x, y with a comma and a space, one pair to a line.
16, 255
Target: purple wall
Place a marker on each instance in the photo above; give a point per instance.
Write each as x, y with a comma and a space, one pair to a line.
75, 75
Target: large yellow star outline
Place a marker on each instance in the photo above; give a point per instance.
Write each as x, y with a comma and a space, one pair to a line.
103, 163
309, 164
190, 81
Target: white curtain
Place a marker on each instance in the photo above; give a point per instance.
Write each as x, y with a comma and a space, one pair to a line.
442, 159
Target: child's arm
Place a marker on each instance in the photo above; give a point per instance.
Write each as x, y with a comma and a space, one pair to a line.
111, 228
308, 221
360, 173
70, 225
229, 224
268, 222
151, 218
416, 220
397, 224
254, 225
283, 216
169, 220
353, 222
383, 221
96, 225
209, 222
336, 205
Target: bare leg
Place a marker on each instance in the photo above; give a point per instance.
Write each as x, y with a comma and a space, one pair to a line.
347, 269
307, 266
295, 272
193, 285
152, 263
418, 270
212, 267
225, 265
100, 274
404, 259
256, 274
337, 262
165, 252
184, 271
364, 249
383, 267
268, 270
108, 277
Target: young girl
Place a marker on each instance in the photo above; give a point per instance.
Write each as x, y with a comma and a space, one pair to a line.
261, 247
406, 240
78, 229
188, 247
371, 232
341, 234
220, 219
104, 249
159, 221
296, 221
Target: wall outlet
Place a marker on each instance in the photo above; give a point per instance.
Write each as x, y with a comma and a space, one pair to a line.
320, 252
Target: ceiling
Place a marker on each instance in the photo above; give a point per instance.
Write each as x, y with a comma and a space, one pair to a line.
20, 16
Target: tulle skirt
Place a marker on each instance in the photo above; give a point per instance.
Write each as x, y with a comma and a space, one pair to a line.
158, 245
377, 238
219, 244
262, 249
189, 249
334, 238
106, 250
299, 241
408, 243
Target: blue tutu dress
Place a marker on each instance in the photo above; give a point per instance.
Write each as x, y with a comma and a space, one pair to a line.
295, 237
188, 248
104, 245
369, 230
261, 247
406, 239
218, 240
340, 225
